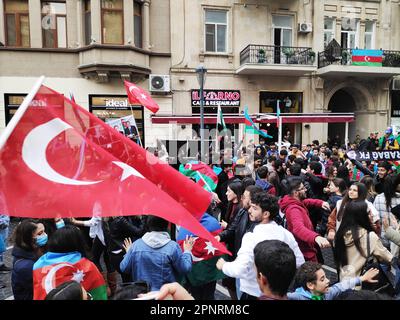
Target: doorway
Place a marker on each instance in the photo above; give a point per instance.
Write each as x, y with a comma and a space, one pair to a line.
341, 101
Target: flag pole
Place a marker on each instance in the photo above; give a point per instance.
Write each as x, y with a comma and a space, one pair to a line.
279, 127
20, 112
137, 129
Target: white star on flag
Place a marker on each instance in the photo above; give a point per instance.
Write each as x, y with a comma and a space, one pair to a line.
128, 170
144, 96
209, 247
78, 276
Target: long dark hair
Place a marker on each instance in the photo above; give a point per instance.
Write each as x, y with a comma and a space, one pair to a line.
362, 195
355, 217
389, 189
233, 208
343, 172
23, 235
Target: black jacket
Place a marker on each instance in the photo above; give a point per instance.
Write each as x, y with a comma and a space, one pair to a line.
22, 273
378, 182
125, 227
236, 230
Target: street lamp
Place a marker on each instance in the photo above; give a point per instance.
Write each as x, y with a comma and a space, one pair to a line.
201, 77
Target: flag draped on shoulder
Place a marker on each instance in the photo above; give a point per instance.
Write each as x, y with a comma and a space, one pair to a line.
46, 173
53, 269
136, 95
204, 255
251, 126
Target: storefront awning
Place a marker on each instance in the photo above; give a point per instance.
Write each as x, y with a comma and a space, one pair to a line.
260, 118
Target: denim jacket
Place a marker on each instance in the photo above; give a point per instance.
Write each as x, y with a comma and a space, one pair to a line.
157, 259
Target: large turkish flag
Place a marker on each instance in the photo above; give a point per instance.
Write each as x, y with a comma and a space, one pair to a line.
61, 160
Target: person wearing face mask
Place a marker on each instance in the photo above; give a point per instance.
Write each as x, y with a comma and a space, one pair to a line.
30, 241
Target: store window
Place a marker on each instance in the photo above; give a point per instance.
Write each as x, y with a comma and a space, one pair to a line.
216, 30
137, 21
329, 30
54, 24
112, 21
109, 108
11, 103
289, 102
369, 36
88, 22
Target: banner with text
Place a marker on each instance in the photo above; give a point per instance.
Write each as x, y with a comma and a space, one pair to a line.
385, 155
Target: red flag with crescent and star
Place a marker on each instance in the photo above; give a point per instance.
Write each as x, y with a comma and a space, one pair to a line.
61, 160
137, 95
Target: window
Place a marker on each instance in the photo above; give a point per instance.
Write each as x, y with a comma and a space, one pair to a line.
112, 21
54, 24
88, 22
283, 29
350, 33
137, 21
17, 23
369, 35
215, 30
329, 30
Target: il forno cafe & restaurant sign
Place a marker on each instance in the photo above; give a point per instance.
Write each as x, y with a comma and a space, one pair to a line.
229, 98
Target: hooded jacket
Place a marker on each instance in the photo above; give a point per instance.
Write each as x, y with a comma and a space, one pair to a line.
299, 223
356, 260
157, 259
22, 275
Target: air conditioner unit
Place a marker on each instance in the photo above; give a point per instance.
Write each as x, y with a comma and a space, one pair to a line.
159, 83
305, 27
396, 84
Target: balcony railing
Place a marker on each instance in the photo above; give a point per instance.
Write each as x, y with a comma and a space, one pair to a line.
343, 57
261, 54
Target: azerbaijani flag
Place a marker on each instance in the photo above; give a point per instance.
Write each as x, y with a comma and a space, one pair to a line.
204, 255
251, 126
221, 126
53, 269
278, 113
202, 173
371, 58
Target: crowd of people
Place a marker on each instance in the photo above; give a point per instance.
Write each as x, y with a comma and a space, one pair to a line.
275, 210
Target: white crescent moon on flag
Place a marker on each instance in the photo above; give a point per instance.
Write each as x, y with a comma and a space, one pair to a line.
367, 59
34, 152
49, 280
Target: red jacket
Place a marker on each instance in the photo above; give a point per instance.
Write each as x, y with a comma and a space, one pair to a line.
299, 223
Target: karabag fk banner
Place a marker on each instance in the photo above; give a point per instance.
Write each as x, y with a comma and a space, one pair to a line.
385, 155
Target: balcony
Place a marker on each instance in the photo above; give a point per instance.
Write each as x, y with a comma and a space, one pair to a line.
338, 63
276, 60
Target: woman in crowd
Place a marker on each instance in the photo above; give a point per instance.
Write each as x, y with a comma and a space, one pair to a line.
29, 244
357, 192
66, 248
350, 249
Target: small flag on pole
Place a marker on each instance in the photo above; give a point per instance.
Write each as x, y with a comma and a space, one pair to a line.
251, 126
221, 126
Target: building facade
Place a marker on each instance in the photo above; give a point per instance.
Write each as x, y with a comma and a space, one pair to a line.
297, 54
